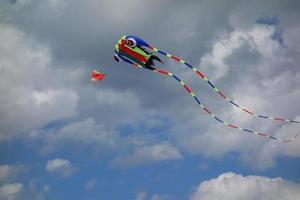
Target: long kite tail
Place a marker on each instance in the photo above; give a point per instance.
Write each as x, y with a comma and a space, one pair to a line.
200, 74
213, 115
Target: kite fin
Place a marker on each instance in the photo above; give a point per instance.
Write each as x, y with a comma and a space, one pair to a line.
150, 64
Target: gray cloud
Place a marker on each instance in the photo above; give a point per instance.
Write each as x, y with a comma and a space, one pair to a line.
31, 89
5, 172
36, 190
148, 154
260, 90
49, 48
11, 191
9, 172
61, 166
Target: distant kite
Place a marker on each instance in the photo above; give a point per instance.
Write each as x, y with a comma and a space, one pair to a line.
137, 52
97, 76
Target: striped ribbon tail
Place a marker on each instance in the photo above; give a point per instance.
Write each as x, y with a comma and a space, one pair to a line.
203, 107
220, 93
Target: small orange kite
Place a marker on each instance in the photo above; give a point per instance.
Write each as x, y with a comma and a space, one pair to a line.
97, 76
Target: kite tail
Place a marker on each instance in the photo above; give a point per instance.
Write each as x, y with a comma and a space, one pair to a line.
213, 115
200, 74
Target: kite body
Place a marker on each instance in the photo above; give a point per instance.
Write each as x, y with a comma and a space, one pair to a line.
136, 51
139, 53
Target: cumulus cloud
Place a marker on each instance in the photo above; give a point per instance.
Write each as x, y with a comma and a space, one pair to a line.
61, 167
30, 85
257, 39
268, 68
11, 191
234, 186
148, 154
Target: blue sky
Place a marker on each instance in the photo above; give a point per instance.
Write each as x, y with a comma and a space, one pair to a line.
171, 177
272, 21
138, 135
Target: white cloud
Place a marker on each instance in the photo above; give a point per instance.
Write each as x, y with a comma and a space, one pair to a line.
113, 98
9, 172
161, 197
270, 150
257, 39
36, 190
119, 104
264, 83
58, 5
148, 154
90, 184
61, 166
5, 171
40, 195
233, 186
140, 195
46, 188
10, 191
32, 87
86, 131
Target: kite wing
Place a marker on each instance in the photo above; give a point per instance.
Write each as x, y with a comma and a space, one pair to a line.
97, 76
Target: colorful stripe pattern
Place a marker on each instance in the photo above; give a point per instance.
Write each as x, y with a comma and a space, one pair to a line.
203, 107
200, 74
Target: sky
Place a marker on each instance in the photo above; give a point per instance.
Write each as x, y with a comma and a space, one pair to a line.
138, 135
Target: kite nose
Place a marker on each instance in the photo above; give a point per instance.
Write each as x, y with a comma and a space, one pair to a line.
117, 58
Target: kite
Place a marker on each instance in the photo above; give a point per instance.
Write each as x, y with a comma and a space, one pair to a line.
139, 53
97, 76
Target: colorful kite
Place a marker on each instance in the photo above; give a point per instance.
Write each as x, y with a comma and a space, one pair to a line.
97, 76
137, 52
